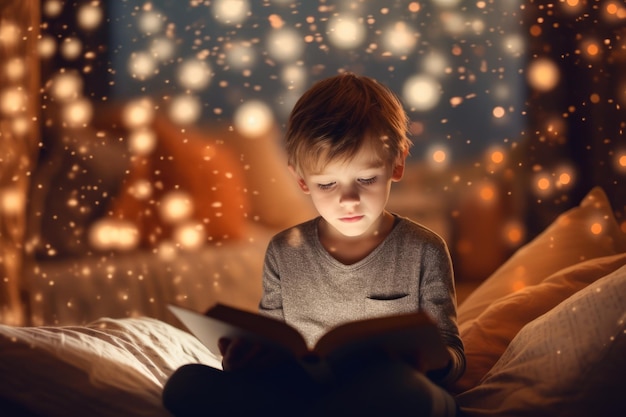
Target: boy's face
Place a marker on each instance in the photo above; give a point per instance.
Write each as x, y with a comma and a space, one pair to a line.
351, 195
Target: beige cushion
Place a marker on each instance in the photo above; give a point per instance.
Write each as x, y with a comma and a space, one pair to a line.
573, 237
567, 362
488, 336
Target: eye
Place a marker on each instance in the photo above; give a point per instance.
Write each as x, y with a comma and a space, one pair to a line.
368, 181
326, 186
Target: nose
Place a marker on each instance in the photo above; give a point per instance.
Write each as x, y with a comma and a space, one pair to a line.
349, 196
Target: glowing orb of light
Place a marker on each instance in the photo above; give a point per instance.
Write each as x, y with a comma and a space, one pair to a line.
446, 3
71, 48
189, 235
141, 65
52, 8
142, 141
46, 46
453, 22
514, 233
166, 251
162, 48
77, 113
185, 109
141, 189
150, 22
345, 32
620, 161
117, 234
66, 85
437, 156
231, 12
514, 45
12, 201
194, 74
421, 92
435, 63
240, 55
542, 184
543, 74
9, 33
20, 126
89, 16
253, 118
284, 45
13, 100
399, 39
175, 206
15, 69
138, 112
293, 76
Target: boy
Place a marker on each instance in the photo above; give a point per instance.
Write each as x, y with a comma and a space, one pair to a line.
346, 143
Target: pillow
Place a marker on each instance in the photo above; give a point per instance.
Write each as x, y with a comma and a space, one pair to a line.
108, 368
487, 337
583, 232
201, 169
568, 362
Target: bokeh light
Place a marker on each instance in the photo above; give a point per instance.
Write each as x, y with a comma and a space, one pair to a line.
253, 119
176, 206
89, 16
345, 32
284, 45
230, 12
543, 74
185, 109
194, 74
421, 92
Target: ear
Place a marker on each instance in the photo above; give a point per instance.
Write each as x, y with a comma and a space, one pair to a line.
398, 169
299, 180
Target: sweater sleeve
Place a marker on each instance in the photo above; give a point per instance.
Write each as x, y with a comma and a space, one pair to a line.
271, 303
438, 299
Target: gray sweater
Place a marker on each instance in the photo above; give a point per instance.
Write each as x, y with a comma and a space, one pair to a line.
410, 270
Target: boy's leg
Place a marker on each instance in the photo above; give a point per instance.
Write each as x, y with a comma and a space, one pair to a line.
387, 388
199, 390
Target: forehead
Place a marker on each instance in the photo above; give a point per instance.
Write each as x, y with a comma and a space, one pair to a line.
365, 158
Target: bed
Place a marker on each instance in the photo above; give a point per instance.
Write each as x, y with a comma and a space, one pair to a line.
545, 335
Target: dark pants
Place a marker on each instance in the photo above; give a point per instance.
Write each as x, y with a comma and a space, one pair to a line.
383, 388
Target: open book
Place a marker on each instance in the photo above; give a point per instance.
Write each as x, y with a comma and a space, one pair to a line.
401, 334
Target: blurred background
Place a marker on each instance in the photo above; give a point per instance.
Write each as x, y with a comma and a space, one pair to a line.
516, 110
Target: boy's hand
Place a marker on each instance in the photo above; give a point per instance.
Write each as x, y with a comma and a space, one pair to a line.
239, 353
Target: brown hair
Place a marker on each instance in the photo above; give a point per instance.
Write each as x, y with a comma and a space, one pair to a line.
340, 114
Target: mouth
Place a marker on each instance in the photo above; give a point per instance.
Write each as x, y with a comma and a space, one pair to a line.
351, 219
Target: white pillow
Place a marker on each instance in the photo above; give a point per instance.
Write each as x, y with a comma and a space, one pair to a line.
108, 368
569, 362
581, 233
